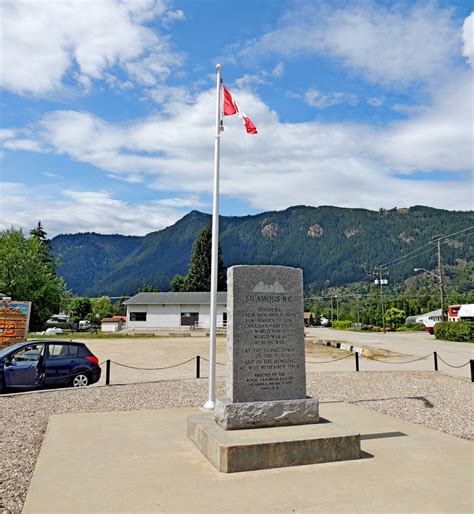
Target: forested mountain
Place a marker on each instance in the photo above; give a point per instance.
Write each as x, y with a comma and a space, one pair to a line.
334, 246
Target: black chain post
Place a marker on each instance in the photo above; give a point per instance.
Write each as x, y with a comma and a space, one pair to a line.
435, 355
356, 354
198, 366
472, 370
107, 372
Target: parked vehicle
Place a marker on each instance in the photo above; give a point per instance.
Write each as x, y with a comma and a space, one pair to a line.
84, 325
46, 364
52, 331
59, 321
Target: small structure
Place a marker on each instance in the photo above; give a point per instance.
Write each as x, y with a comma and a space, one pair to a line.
113, 324
155, 311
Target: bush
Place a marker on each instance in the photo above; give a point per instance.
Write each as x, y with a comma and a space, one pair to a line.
395, 317
411, 327
462, 331
342, 324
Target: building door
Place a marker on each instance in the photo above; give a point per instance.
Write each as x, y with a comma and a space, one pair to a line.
189, 318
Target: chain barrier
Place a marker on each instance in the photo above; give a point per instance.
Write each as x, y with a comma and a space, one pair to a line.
332, 360
451, 366
404, 362
153, 369
218, 363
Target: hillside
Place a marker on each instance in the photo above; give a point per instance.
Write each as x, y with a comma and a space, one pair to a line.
334, 246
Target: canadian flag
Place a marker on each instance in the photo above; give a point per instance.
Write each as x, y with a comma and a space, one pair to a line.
230, 108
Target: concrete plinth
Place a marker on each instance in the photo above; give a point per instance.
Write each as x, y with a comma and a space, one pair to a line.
266, 448
276, 413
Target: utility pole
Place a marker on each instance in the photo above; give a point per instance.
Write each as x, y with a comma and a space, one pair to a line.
358, 317
381, 281
441, 281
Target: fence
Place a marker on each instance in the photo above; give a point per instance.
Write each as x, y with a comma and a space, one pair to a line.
357, 359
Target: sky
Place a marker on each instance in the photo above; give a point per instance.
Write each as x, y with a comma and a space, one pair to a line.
107, 108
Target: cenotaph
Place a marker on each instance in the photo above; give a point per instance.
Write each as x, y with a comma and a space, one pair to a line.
266, 420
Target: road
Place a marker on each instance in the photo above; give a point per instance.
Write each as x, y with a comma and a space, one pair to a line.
412, 344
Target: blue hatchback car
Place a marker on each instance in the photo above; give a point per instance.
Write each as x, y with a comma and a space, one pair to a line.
44, 364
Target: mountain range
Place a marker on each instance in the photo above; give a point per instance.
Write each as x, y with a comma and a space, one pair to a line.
334, 246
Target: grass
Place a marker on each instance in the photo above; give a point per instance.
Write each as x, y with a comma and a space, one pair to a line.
97, 335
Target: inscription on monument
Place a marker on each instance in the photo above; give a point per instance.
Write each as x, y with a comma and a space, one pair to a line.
266, 334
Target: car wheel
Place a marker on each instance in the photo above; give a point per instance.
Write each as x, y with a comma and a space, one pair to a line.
80, 380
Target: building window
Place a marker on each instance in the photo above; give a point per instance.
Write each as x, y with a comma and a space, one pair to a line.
189, 318
138, 316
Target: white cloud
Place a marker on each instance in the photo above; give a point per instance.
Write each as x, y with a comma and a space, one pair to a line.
436, 138
346, 164
83, 211
50, 174
28, 145
7, 134
50, 39
388, 44
375, 101
279, 70
468, 39
319, 100
248, 81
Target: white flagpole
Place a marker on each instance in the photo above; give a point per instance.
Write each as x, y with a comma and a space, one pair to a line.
211, 401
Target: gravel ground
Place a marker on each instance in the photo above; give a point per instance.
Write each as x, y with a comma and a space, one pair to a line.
437, 401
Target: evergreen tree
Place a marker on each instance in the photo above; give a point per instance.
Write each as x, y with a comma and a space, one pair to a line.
199, 273
39, 232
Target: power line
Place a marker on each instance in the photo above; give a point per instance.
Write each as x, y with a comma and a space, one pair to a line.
432, 242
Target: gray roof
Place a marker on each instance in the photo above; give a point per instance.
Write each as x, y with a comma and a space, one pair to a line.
175, 298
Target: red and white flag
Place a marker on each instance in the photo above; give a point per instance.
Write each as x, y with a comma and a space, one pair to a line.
230, 108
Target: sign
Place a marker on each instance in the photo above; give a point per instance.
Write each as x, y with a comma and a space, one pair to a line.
14, 321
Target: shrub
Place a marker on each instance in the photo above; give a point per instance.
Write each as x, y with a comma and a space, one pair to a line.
375, 328
462, 331
411, 327
342, 324
395, 317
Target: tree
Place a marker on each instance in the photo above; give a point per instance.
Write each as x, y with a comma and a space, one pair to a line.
179, 283
395, 317
79, 308
27, 273
199, 273
39, 232
101, 308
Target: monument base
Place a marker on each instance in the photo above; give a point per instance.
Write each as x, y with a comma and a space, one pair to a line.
274, 413
266, 448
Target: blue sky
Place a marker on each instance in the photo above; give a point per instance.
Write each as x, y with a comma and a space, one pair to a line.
107, 108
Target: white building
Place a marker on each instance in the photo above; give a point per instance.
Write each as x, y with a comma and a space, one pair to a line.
150, 311
113, 324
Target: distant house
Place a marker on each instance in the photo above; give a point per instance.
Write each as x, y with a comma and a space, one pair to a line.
149, 311
429, 319
113, 324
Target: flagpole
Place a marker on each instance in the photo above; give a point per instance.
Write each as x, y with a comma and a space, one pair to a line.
211, 401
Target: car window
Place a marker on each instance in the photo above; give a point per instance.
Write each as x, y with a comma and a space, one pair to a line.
62, 351
30, 353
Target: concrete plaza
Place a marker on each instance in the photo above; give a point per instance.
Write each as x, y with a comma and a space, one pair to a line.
142, 461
